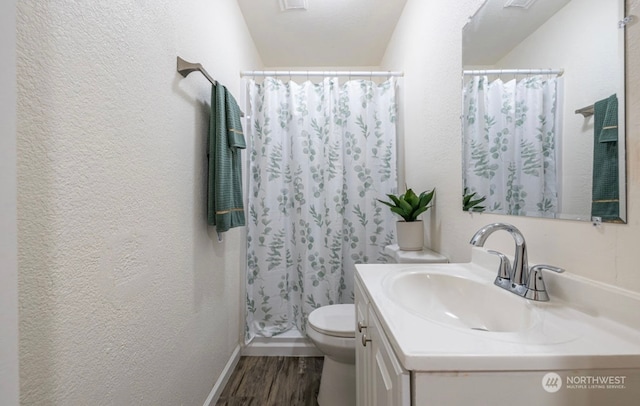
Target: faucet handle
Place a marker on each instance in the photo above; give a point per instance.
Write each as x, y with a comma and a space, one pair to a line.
536, 289
504, 270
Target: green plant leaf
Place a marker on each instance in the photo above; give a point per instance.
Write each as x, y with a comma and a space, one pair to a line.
418, 212
426, 197
411, 198
386, 203
406, 206
472, 205
395, 199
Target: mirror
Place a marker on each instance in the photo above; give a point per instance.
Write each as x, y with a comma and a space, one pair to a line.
543, 109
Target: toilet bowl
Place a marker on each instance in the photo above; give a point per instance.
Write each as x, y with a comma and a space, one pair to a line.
332, 330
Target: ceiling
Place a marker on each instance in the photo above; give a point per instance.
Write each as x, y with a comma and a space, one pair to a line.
331, 33
484, 38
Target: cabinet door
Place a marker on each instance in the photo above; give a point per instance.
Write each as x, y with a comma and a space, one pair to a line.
362, 350
389, 382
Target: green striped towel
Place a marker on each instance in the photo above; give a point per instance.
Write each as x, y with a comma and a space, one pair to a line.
609, 132
605, 188
225, 207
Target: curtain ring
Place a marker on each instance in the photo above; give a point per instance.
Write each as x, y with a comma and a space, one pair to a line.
290, 76
371, 76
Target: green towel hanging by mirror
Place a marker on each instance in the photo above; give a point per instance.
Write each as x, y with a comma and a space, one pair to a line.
225, 207
605, 188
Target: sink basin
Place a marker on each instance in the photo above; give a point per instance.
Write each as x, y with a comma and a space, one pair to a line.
459, 301
435, 316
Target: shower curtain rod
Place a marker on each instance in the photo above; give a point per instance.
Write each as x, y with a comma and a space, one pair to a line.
308, 73
558, 72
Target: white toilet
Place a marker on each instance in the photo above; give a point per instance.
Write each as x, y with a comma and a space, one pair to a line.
332, 330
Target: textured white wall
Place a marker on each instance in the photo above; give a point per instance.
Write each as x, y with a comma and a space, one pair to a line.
427, 46
8, 240
125, 296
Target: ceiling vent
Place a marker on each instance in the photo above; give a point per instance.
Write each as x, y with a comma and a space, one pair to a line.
286, 5
519, 3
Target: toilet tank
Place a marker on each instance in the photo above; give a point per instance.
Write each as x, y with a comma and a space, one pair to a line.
425, 256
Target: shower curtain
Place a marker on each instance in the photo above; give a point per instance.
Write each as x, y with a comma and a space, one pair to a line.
319, 157
510, 135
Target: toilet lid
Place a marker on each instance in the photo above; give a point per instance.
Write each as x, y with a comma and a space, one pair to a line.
334, 320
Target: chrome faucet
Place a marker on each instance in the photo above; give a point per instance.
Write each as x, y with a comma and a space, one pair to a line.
518, 273
516, 278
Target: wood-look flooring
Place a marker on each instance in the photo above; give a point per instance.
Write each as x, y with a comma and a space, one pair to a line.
273, 381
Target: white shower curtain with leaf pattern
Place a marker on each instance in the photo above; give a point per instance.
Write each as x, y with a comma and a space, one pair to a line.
319, 157
511, 130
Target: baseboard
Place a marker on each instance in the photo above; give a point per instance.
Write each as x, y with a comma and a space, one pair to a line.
281, 347
217, 389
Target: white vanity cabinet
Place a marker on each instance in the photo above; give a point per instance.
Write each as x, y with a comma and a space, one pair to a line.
565, 357
381, 380
362, 352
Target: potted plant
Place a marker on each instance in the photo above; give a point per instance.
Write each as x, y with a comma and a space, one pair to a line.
409, 206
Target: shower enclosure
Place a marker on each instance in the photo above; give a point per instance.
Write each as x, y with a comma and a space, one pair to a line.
319, 156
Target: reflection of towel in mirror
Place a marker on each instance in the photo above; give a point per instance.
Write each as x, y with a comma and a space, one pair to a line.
609, 132
225, 207
605, 190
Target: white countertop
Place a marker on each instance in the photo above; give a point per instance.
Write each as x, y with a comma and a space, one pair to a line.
423, 256
565, 338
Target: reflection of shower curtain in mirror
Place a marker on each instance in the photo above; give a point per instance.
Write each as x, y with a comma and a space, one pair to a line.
510, 137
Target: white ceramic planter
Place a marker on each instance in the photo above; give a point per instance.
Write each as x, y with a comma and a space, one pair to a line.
410, 235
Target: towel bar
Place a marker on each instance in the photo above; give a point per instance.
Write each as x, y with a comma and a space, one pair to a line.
586, 111
185, 68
